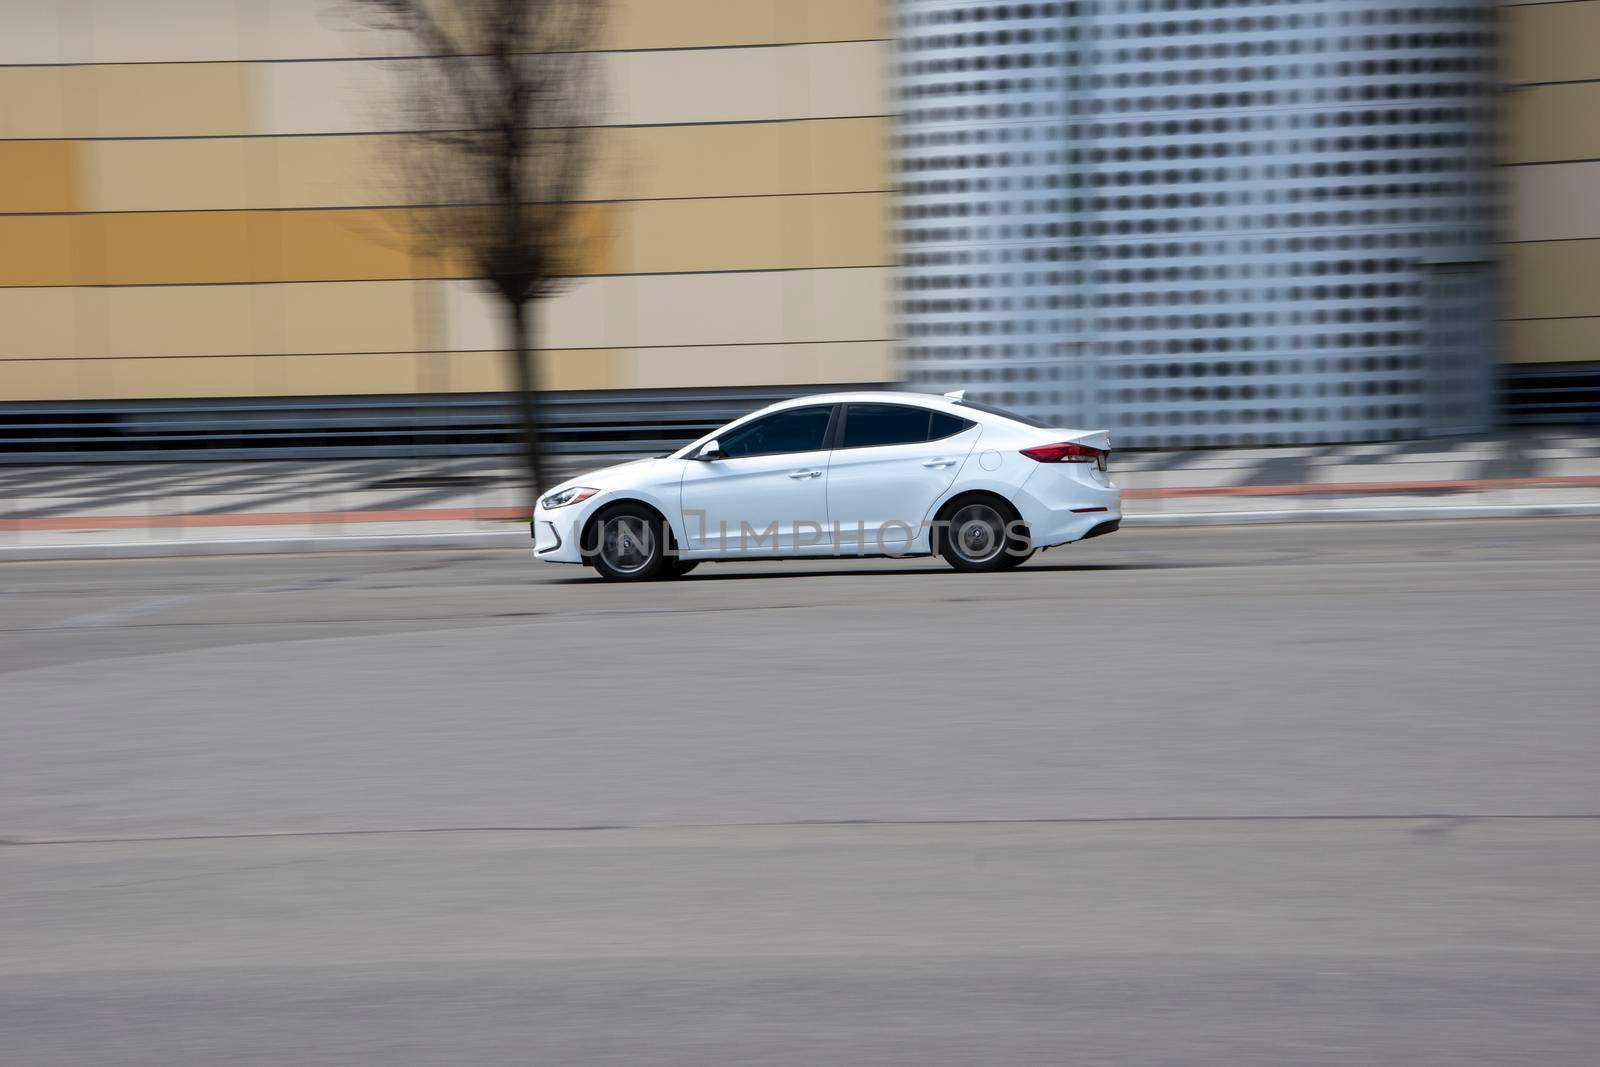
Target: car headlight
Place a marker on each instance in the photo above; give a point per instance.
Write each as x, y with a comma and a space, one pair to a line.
576, 495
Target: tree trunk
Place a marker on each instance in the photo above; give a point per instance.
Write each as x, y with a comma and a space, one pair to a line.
525, 374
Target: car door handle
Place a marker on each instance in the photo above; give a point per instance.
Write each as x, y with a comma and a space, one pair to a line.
939, 464
805, 474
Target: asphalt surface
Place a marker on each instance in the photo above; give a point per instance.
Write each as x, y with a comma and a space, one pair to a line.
1310, 795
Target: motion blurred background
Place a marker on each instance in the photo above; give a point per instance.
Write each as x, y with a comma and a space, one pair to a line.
1193, 223
1243, 795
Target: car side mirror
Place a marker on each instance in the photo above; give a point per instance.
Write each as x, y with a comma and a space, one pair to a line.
711, 450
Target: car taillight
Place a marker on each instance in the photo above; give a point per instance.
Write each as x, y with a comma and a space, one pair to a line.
1067, 452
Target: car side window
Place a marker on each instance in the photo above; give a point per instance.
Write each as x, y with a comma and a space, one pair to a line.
867, 425
943, 425
794, 430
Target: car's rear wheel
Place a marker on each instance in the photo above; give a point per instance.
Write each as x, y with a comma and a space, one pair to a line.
630, 543
980, 534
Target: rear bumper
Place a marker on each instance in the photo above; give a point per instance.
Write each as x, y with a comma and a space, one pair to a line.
1063, 505
1049, 530
1104, 528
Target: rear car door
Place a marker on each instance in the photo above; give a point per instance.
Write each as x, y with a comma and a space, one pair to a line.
890, 463
770, 492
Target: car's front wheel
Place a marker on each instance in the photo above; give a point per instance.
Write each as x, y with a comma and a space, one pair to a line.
630, 543
981, 534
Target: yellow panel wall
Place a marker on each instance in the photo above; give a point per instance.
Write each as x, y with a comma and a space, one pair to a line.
401, 373
40, 176
373, 244
1551, 42
615, 312
188, 31
1551, 134
1554, 340
643, 163
1552, 123
134, 100
644, 24
1553, 202
172, 223
1552, 279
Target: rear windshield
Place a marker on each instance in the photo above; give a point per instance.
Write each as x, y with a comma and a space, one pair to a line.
1026, 420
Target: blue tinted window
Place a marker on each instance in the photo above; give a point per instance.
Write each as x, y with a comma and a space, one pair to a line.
866, 425
795, 430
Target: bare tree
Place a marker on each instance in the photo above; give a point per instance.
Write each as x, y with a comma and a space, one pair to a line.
504, 102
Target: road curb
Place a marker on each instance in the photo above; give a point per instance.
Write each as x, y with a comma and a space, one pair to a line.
518, 537
247, 546
1397, 514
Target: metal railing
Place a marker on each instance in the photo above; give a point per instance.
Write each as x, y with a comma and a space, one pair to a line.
378, 426
1551, 394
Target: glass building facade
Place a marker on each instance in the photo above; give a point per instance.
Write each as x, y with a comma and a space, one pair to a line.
1202, 222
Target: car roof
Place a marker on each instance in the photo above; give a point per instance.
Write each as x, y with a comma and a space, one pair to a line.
865, 396
873, 396
868, 396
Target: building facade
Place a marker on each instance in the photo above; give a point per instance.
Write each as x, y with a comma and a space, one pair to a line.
1195, 222
1551, 144
1203, 223
200, 240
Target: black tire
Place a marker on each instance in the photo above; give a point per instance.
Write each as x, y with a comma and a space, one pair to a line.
629, 543
1016, 558
680, 567
979, 534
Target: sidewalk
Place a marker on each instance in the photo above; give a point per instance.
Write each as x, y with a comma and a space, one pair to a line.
195, 508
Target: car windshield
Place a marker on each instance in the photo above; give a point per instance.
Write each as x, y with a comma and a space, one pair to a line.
1026, 420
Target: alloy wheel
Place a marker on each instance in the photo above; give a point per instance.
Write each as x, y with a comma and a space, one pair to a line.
627, 544
978, 533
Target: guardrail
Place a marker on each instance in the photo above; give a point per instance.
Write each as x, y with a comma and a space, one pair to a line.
345, 427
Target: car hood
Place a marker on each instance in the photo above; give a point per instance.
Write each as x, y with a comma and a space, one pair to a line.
615, 477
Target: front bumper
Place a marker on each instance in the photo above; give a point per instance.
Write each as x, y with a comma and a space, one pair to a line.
556, 532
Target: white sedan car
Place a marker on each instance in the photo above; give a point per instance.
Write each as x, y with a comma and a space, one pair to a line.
846, 474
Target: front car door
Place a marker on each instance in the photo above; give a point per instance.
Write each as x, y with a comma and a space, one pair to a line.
890, 463
769, 494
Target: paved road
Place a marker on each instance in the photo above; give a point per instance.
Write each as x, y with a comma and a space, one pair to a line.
1254, 796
